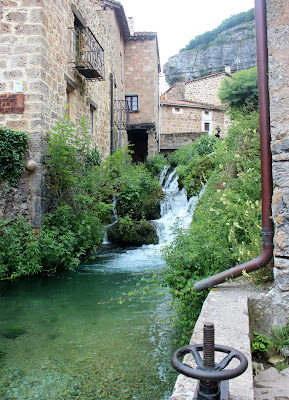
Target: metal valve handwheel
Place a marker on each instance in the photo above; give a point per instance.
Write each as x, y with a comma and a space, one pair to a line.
215, 373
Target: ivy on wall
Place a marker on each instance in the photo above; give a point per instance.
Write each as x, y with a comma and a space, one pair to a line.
13, 145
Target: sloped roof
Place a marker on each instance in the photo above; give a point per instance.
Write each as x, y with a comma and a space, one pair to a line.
119, 10
193, 104
201, 78
145, 34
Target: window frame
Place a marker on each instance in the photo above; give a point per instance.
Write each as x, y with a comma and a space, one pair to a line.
133, 105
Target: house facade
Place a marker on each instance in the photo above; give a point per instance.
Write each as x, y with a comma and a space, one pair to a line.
74, 57
191, 109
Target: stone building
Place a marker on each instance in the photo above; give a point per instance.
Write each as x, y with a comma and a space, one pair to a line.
142, 66
278, 39
191, 109
74, 57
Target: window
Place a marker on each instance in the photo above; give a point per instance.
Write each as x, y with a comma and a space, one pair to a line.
207, 127
177, 110
207, 112
132, 102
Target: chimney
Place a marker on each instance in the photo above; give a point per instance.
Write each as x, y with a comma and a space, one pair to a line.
130, 22
227, 69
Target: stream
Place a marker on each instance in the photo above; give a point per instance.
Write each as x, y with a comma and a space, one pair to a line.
70, 335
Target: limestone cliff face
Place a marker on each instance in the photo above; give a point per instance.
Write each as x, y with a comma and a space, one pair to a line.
235, 47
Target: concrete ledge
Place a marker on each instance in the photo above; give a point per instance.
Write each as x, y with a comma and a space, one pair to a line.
227, 307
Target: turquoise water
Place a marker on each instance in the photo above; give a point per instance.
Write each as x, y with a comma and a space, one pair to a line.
61, 337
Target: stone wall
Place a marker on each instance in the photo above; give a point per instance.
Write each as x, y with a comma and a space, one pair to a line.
173, 141
141, 79
188, 120
36, 48
278, 47
177, 91
205, 89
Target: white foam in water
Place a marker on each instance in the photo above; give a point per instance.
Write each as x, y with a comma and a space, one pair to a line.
176, 211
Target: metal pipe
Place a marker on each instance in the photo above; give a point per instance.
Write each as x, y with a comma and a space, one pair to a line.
266, 161
111, 113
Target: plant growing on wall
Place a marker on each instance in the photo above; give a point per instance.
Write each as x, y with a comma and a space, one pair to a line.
13, 145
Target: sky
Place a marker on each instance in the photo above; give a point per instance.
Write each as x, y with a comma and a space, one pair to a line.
178, 21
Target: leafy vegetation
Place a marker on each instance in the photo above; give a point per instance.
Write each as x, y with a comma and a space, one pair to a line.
203, 41
127, 231
226, 226
240, 91
260, 344
194, 164
280, 340
13, 145
81, 194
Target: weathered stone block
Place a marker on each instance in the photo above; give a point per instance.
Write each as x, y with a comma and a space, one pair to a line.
281, 173
17, 16
281, 274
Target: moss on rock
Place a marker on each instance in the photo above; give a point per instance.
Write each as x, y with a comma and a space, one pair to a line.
133, 233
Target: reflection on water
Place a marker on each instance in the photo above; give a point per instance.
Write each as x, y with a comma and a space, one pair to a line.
62, 338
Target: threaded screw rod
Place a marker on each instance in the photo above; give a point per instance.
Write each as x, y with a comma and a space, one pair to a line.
209, 345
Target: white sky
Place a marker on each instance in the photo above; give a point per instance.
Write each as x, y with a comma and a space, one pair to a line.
179, 21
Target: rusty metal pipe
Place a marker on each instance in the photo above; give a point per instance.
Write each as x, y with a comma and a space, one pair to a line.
266, 161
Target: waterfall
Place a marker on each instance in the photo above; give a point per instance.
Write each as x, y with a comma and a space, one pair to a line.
114, 220
176, 209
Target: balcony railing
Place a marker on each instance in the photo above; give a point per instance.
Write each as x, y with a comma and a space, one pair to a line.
88, 53
121, 117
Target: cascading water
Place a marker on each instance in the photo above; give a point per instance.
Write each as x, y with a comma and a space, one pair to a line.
176, 209
71, 341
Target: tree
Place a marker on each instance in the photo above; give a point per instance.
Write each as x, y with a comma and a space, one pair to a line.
240, 91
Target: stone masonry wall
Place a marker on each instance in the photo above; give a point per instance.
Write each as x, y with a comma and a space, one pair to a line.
35, 48
173, 141
278, 47
190, 120
141, 78
115, 61
176, 92
205, 89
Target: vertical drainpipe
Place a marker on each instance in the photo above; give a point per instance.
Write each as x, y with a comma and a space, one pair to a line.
266, 161
111, 113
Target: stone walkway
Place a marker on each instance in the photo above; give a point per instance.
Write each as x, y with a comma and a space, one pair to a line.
272, 385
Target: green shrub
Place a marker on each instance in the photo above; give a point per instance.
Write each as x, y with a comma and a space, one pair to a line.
132, 233
260, 344
194, 164
68, 149
280, 340
206, 39
226, 226
19, 249
13, 145
240, 91
156, 164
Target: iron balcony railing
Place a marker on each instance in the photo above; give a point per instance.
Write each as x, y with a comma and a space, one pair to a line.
121, 119
88, 53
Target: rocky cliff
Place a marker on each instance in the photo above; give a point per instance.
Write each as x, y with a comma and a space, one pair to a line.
235, 47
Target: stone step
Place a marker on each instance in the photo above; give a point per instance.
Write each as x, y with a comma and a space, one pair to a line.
226, 307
